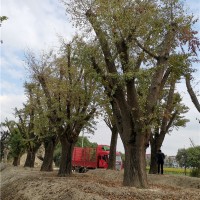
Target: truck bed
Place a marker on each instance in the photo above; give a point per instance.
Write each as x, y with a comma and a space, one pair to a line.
84, 157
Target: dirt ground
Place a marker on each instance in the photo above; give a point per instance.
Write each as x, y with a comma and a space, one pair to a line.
19, 183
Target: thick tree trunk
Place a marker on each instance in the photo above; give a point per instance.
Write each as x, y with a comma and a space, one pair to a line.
16, 161
66, 157
30, 159
113, 144
135, 163
153, 163
49, 146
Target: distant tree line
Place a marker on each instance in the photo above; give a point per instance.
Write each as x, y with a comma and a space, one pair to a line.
190, 158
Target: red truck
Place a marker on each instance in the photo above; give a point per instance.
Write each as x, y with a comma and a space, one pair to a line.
85, 158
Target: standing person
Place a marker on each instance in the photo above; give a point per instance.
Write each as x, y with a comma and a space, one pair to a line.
160, 161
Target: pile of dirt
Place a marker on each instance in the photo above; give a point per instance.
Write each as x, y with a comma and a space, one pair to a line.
31, 184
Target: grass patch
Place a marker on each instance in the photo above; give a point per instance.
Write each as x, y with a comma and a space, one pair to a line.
175, 171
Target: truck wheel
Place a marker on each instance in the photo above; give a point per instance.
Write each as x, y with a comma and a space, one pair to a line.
82, 170
73, 169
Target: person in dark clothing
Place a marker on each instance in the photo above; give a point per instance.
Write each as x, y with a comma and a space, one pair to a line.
160, 161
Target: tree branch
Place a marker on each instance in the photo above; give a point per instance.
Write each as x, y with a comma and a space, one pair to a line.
101, 35
191, 92
146, 50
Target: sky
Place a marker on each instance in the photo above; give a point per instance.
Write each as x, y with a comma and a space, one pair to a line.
37, 25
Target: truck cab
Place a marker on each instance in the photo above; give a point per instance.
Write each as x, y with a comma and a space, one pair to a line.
102, 156
103, 152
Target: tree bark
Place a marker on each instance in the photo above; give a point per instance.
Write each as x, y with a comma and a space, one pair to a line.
49, 146
16, 161
113, 144
153, 163
66, 157
135, 164
30, 159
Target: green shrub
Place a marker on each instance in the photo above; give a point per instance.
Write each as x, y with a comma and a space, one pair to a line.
195, 172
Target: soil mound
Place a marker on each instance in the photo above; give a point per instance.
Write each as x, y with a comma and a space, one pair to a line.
21, 183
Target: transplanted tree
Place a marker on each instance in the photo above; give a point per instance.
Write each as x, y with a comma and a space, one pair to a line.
26, 125
17, 146
44, 129
110, 122
15, 143
132, 37
49, 146
70, 92
169, 117
4, 136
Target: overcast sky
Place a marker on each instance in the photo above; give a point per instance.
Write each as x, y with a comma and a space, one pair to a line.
36, 25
